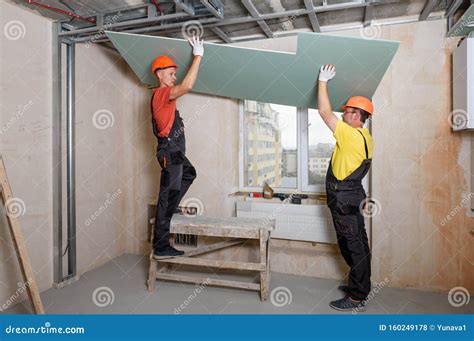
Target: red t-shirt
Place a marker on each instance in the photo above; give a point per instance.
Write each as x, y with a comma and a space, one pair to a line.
163, 110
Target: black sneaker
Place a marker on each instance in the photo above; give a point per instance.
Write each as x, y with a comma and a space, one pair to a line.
168, 252
345, 304
344, 288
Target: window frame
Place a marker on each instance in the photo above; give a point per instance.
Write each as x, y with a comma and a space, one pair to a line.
302, 145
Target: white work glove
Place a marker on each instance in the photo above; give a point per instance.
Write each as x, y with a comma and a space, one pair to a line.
327, 72
198, 46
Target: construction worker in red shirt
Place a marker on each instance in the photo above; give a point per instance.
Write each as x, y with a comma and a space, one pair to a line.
177, 172
350, 162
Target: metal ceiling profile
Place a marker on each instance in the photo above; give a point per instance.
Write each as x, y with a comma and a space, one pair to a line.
62, 11
231, 21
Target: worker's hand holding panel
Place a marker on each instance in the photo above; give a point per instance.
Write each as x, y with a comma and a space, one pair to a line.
327, 72
198, 46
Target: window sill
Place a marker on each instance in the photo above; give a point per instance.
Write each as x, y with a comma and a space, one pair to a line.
313, 198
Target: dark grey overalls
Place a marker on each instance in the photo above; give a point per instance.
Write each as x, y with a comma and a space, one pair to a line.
177, 174
344, 200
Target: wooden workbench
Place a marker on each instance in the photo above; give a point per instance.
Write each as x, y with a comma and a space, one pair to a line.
234, 231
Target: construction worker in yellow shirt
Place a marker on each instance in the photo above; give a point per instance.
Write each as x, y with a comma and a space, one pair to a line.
349, 163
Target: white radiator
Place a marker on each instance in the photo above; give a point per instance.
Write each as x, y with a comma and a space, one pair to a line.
293, 222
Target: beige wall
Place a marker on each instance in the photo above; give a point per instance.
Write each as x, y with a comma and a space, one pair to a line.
102, 114
420, 168
25, 140
103, 83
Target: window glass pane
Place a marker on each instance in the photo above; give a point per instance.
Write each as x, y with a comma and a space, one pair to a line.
270, 140
320, 147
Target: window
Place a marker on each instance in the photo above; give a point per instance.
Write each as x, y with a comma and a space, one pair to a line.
269, 141
320, 144
287, 147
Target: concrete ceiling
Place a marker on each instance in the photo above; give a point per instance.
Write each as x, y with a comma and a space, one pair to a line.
330, 15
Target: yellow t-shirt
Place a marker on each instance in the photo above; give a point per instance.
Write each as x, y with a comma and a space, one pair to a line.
349, 151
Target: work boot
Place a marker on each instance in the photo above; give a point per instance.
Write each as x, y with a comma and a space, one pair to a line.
345, 304
167, 252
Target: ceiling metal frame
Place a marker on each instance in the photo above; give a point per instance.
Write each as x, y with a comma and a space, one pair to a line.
254, 13
142, 26
429, 7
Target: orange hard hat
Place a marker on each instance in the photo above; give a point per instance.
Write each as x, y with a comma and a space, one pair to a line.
360, 102
162, 62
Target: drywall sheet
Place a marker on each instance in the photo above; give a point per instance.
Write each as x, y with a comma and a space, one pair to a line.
269, 76
464, 25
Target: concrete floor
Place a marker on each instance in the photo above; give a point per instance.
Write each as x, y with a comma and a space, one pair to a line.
125, 279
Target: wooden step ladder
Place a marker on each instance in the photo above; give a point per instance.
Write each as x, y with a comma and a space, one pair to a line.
18, 242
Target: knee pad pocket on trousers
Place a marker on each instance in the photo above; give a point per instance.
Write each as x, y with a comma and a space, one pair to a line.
348, 202
346, 224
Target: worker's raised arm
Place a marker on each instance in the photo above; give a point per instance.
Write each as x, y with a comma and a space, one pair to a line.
326, 73
188, 82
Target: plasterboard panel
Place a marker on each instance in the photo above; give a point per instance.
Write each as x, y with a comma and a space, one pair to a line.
269, 76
